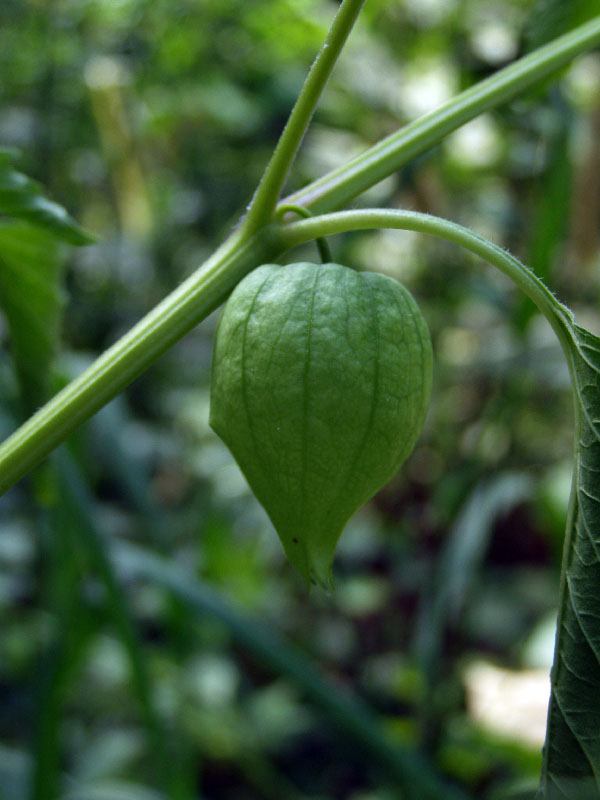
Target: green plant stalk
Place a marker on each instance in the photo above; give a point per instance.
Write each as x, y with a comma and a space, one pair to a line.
322, 245
265, 199
76, 504
342, 184
61, 660
206, 288
178, 313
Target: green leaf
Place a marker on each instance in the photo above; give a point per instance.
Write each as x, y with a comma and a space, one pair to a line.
572, 752
22, 198
31, 226
31, 299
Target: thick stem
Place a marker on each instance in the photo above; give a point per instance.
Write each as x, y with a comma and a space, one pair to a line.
265, 199
178, 313
340, 185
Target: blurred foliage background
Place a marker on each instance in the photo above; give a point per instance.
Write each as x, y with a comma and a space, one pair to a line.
154, 642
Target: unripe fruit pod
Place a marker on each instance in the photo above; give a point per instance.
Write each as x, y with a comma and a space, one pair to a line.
321, 381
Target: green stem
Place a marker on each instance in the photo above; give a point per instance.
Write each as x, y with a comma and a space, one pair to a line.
558, 315
322, 246
265, 199
75, 504
61, 660
178, 313
341, 185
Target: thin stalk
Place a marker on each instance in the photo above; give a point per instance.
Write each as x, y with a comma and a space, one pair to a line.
178, 313
322, 245
342, 184
61, 661
76, 506
328, 224
267, 194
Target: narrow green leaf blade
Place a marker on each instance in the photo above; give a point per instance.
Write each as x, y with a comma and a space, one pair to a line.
572, 752
49, 215
32, 300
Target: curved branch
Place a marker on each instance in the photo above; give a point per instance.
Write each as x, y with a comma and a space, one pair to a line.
557, 315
